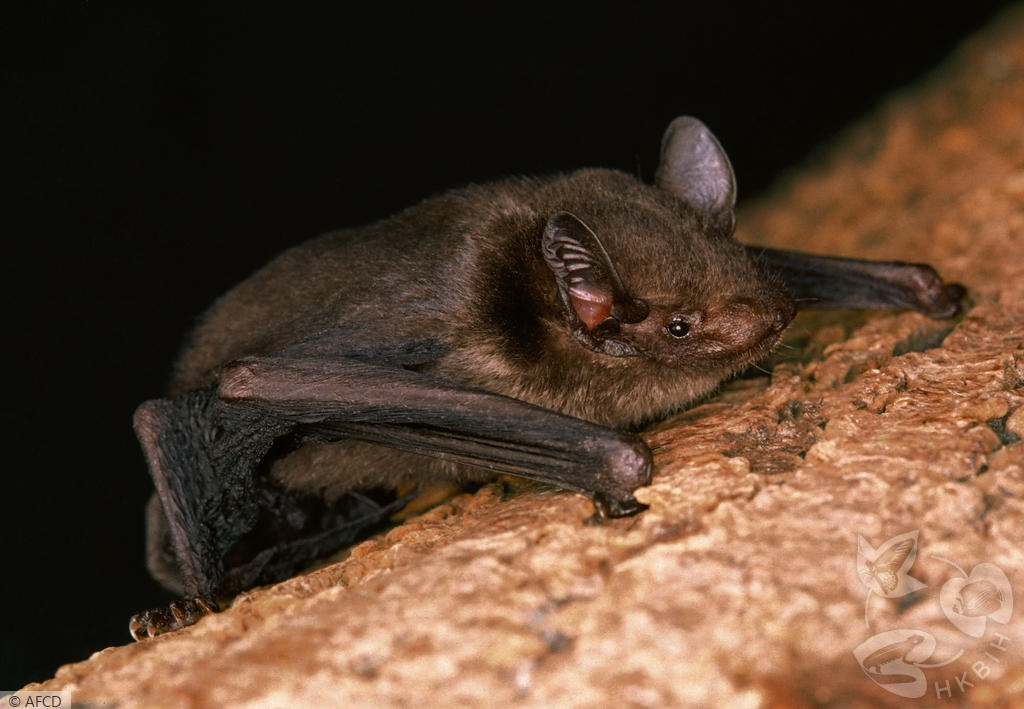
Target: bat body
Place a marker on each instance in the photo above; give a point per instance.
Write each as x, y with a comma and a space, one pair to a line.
524, 327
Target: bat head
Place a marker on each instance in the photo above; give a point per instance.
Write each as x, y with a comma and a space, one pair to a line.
653, 271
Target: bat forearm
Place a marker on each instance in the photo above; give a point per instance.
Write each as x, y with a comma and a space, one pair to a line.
825, 282
413, 412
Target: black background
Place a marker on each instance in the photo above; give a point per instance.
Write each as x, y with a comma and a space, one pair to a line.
161, 156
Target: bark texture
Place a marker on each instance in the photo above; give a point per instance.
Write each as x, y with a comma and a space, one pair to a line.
741, 585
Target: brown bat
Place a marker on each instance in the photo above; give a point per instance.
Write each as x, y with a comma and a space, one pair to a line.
524, 327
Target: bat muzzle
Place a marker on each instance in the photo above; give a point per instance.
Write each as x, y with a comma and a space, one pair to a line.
736, 328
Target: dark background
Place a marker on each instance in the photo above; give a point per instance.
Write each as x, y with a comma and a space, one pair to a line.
161, 156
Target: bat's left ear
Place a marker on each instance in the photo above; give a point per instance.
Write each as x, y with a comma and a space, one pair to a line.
587, 280
695, 168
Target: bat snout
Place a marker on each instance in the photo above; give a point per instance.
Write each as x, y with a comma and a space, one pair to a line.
734, 327
781, 314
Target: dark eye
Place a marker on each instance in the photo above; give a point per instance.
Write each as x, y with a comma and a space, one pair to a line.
678, 328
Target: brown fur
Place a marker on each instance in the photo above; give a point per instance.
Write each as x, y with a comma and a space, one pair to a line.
465, 269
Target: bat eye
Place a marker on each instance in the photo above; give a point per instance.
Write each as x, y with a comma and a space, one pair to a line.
678, 328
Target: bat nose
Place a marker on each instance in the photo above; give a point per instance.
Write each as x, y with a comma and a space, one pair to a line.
736, 326
782, 314
778, 321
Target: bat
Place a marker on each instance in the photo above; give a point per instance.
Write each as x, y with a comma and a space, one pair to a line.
526, 327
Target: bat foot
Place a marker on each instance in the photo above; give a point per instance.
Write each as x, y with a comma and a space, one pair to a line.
176, 616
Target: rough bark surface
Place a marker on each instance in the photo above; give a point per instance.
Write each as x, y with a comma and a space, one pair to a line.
740, 585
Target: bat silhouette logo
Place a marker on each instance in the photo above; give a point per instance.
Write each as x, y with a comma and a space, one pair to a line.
529, 327
885, 570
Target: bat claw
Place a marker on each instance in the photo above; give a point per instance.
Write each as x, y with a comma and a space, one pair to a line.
932, 296
607, 507
946, 304
953, 294
176, 616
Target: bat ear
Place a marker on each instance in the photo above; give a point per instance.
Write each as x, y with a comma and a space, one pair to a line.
695, 168
587, 279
